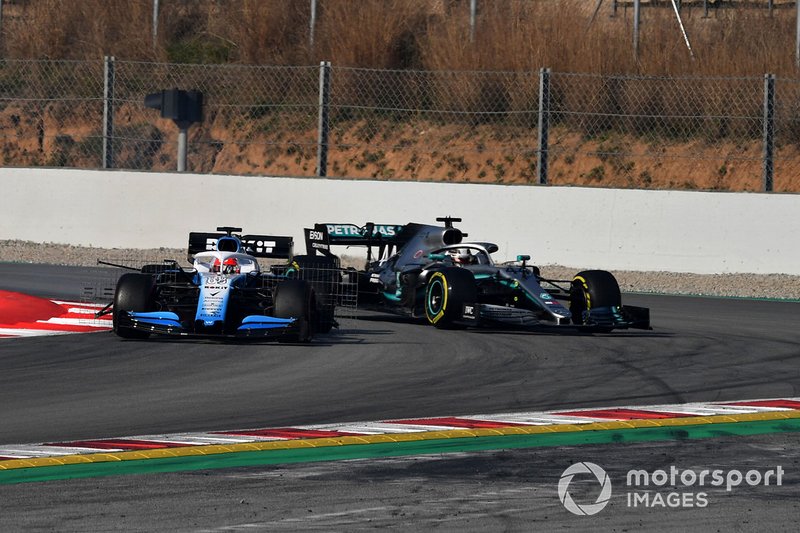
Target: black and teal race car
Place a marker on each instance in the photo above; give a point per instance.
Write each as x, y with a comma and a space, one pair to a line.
432, 272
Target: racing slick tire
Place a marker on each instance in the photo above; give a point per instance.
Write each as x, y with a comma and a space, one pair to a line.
134, 292
295, 299
446, 293
322, 272
591, 289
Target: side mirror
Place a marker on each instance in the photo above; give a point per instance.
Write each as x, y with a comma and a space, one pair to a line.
523, 259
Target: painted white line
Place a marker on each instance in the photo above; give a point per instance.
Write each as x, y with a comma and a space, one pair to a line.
418, 428
695, 408
88, 322
81, 311
373, 428
537, 419
79, 304
706, 409
202, 439
12, 332
23, 451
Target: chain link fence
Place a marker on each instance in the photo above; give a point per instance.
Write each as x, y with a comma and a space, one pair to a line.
465, 126
50, 113
253, 115
479, 127
624, 130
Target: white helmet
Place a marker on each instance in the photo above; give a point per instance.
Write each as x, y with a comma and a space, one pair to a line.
464, 257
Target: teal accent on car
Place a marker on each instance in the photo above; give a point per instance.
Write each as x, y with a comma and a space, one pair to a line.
392, 297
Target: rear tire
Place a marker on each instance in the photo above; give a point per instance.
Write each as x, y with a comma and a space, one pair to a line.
295, 299
446, 292
591, 289
135, 292
322, 272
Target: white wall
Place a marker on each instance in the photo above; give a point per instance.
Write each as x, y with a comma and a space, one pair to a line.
614, 229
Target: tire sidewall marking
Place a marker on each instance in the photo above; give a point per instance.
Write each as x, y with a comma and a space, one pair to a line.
436, 278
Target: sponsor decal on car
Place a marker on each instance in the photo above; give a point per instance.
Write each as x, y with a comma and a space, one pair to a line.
351, 230
214, 282
470, 312
260, 247
317, 240
213, 299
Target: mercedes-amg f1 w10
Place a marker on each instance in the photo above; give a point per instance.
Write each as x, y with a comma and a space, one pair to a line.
430, 271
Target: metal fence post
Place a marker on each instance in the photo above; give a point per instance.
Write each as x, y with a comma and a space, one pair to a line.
769, 131
312, 22
636, 15
108, 112
324, 110
155, 24
544, 124
473, 9
183, 147
797, 35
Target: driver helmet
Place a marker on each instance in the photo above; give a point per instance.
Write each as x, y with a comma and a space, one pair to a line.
231, 266
464, 257
215, 266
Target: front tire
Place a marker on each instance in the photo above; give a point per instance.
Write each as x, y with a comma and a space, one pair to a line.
446, 293
295, 299
592, 289
134, 293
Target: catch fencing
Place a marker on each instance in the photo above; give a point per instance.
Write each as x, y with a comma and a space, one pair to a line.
537, 127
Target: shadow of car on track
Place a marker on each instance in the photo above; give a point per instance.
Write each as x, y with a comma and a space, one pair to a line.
348, 335
389, 319
570, 332
565, 331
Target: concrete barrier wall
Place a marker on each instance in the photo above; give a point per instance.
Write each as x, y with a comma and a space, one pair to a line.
615, 229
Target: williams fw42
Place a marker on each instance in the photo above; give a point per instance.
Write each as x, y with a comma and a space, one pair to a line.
226, 293
431, 272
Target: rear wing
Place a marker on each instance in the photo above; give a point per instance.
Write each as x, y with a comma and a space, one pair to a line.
387, 237
266, 246
366, 235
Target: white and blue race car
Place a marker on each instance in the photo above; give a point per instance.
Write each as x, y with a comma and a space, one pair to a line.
226, 293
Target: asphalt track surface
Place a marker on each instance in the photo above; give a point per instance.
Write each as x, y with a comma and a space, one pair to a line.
96, 385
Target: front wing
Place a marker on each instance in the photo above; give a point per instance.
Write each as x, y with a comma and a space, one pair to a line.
168, 323
625, 317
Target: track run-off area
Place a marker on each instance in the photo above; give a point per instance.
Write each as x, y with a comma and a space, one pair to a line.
474, 428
